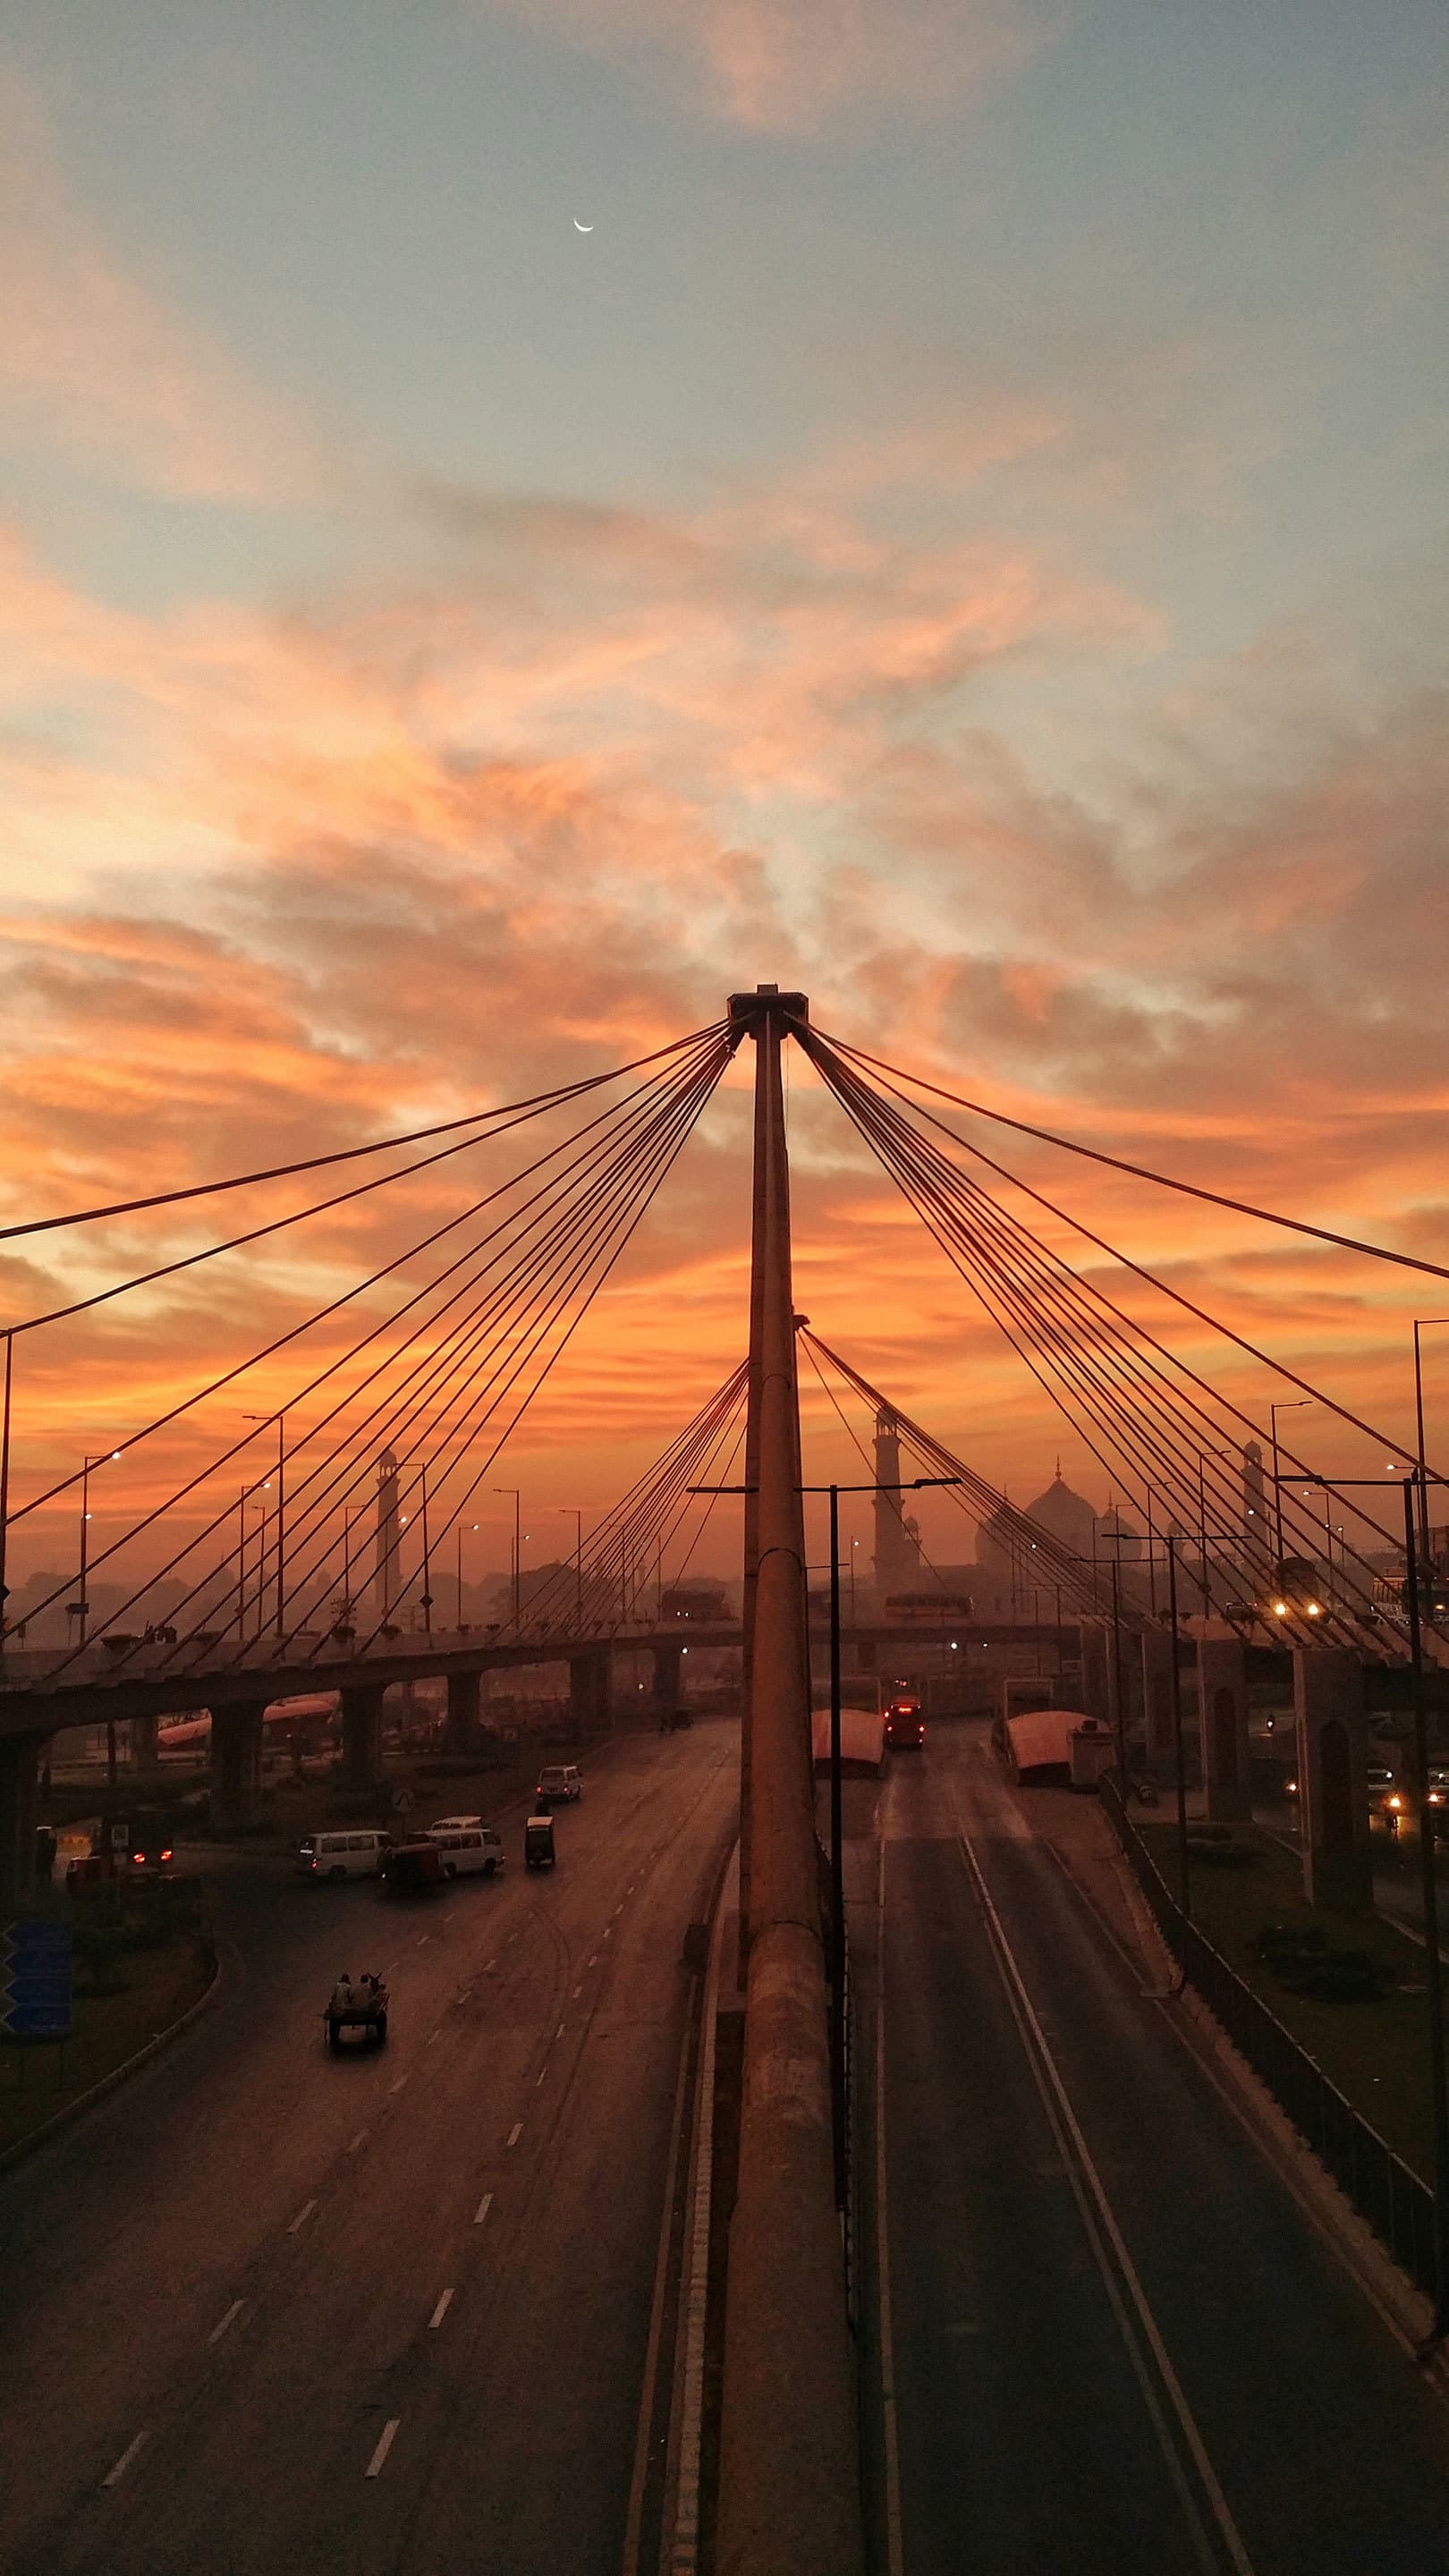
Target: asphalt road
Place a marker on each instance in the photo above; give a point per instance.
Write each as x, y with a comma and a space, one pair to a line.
271, 2310
1118, 2344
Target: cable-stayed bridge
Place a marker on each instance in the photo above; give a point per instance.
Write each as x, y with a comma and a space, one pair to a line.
268, 1555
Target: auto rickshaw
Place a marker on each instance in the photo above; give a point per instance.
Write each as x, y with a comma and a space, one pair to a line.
538, 1850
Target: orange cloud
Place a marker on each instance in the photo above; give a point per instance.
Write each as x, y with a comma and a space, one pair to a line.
789, 66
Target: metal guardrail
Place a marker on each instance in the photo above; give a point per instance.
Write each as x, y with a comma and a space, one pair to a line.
1396, 2204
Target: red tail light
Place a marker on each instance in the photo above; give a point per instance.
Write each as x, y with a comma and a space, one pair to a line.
166, 1855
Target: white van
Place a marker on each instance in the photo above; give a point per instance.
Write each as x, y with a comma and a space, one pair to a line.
469, 1851
558, 1783
354, 1854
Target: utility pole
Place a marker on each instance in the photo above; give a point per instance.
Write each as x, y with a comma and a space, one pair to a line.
1433, 1966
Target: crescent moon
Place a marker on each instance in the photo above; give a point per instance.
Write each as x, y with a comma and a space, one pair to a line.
582, 228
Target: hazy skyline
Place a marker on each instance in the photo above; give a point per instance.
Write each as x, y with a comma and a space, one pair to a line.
964, 533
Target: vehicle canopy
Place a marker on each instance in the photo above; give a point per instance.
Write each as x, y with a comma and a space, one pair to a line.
1040, 1741
539, 1829
411, 1866
862, 1739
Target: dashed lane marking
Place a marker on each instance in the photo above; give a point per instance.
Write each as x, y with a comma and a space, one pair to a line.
543, 2070
440, 2311
385, 2442
578, 1990
463, 1993
114, 2476
491, 1969
594, 1961
303, 2214
422, 1937
481, 2212
398, 2086
515, 2133
434, 2034
233, 2312
354, 2143
558, 2034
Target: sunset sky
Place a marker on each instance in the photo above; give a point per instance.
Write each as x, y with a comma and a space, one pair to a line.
962, 533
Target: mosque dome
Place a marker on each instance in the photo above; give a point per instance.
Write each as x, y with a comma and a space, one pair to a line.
1065, 1516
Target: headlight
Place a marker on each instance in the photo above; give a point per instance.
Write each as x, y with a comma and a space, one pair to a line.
1395, 1800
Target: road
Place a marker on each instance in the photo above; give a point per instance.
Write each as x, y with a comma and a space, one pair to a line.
1117, 2343
268, 2310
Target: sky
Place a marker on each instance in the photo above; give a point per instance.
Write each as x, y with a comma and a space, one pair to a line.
962, 533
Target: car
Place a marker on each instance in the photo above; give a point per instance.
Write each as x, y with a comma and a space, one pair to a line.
358, 1853
558, 1783
1383, 1791
469, 1851
904, 1724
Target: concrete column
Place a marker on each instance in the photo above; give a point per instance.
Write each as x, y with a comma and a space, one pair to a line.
19, 1763
1096, 1672
145, 1743
590, 1700
460, 1731
668, 1675
1133, 1734
1156, 1659
362, 1734
236, 1764
1332, 1724
1222, 1716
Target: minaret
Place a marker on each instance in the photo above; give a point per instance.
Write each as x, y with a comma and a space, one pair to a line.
385, 1580
897, 1544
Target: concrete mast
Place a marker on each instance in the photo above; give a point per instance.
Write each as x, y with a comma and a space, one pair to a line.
789, 2476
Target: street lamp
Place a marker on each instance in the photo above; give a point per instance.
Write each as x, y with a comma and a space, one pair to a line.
1422, 1324
280, 1513
1294, 1404
517, 1541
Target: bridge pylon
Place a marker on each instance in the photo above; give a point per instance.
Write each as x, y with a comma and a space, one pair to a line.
789, 2494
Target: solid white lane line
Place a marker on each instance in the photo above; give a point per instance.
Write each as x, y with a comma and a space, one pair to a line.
895, 2546
398, 2086
354, 2143
303, 2214
386, 2439
114, 2476
481, 2212
1086, 2181
515, 2133
233, 2312
440, 2311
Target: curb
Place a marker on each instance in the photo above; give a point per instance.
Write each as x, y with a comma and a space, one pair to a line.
62, 2119
680, 2552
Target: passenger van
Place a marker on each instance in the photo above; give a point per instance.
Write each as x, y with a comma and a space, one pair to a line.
342, 1855
469, 1850
558, 1783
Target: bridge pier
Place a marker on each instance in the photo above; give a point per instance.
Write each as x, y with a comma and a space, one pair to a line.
1222, 1716
590, 1690
236, 1764
145, 1743
461, 1726
668, 1678
1156, 1649
19, 1766
1331, 1717
362, 1733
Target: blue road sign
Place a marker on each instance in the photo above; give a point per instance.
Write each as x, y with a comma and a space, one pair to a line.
35, 1980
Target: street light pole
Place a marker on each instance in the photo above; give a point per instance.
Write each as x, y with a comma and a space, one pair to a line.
5, 1489
1422, 1324
517, 1541
459, 1535
1178, 1748
1433, 1968
1295, 1404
